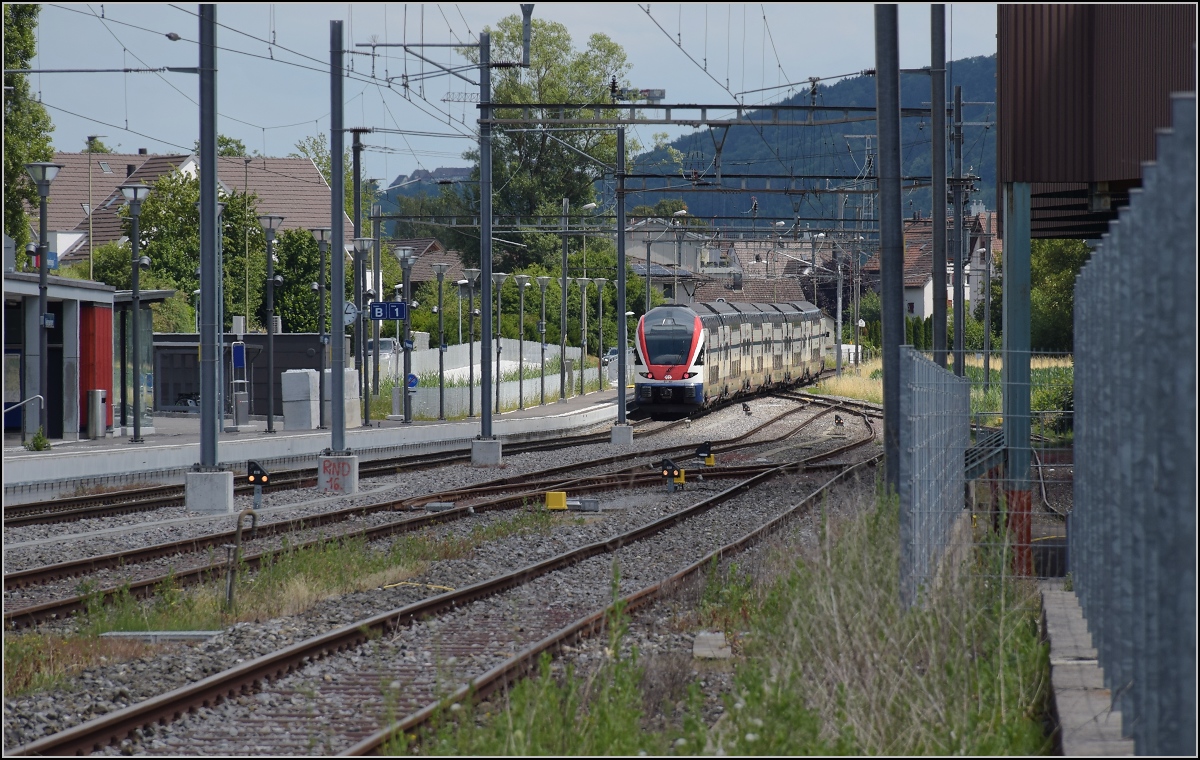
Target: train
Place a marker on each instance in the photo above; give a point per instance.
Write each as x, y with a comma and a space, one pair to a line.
689, 357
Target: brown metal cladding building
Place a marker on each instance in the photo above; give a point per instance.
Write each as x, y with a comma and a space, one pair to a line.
1080, 91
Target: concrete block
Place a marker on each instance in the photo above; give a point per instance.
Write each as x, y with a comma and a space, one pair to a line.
485, 453
439, 506
338, 474
588, 505
209, 493
622, 435
300, 410
161, 637
299, 384
352, 406
711, 646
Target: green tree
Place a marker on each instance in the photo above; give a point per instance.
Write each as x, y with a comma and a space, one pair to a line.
870, 308
226, 146
27, 126
96, 145
316, 149
296, 302
1053, 267
169, 228
537, 169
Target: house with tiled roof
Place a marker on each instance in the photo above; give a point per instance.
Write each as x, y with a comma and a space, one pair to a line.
918, 264
289, 187
427, 252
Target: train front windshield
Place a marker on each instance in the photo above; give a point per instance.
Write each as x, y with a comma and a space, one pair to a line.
669, 332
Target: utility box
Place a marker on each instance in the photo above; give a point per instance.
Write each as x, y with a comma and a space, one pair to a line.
556, 500
241, 408
97, 419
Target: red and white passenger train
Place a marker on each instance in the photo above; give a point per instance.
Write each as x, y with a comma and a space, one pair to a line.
693, 356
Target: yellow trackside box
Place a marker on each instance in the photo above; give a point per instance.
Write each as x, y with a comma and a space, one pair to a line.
680, 478
710, 460
556, 500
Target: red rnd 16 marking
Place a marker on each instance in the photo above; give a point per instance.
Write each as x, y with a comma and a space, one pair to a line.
333, 468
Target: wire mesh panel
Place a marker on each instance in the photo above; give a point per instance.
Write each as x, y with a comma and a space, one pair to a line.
1133, 527
935, 411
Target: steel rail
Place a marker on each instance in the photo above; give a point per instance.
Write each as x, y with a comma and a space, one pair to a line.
112, 727
22, 617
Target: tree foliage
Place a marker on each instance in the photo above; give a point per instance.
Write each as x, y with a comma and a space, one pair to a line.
316, 149
96, 145
1053, 267
27, 126
230, 147
533, 171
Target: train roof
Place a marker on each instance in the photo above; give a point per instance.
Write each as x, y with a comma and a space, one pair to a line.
726, 308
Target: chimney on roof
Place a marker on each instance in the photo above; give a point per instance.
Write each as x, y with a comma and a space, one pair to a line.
142, 151
130, 169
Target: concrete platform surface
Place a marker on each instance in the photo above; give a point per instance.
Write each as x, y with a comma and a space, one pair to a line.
1087, 724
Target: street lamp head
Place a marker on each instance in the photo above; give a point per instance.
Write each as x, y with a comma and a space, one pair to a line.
600, 282
440, 270
543, 281
135, 193
498, 278
363, 245
270, 223
583, 282
321, 234
404, 255
43, 173
472, 276
522, 280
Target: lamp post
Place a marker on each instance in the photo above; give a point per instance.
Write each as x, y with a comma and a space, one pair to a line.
91, 140
399, 289
522, 283
270, 223
583, 328
321, 235
543, 281
461, 285
472, 278
586, 207
135, 194
362, 247
562, 312
440, 270
498, 279
986, 254
600, 283
43, 173
406, 262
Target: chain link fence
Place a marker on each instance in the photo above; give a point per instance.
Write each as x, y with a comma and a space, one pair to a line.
1133, 529
935, 411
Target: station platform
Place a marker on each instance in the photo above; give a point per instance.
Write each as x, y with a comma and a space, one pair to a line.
168, 453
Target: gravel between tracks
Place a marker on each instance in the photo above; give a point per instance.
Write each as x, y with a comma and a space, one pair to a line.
123, 532
110, 687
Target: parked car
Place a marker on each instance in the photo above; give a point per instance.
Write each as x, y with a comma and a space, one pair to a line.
611, 357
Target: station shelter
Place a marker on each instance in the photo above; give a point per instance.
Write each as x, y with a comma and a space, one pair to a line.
79, 346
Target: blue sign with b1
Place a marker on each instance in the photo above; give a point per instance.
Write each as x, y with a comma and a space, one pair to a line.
381, 310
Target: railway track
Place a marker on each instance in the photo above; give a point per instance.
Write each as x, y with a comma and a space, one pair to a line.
503, 493
340, 692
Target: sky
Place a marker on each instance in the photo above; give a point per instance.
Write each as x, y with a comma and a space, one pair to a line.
273, 66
